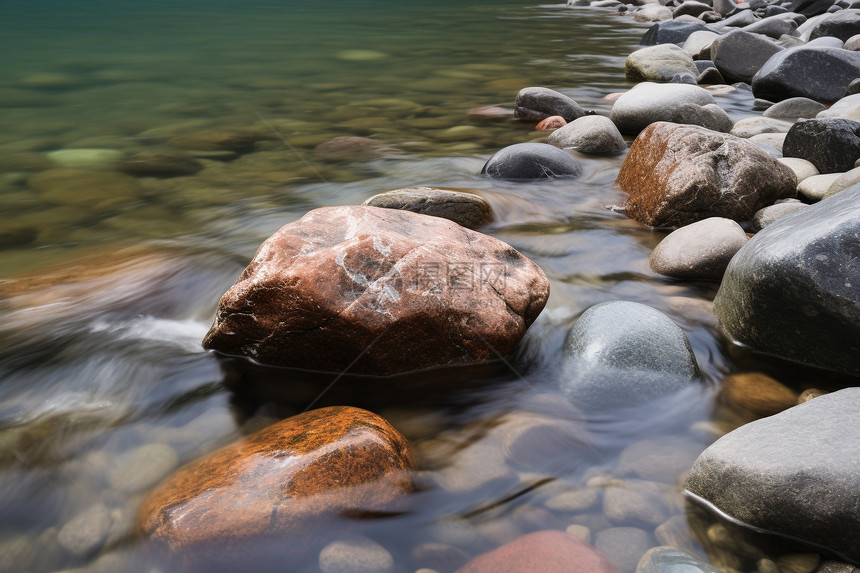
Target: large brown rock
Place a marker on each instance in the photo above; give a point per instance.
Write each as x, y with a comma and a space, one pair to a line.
544, 551
378, 291
283, 484
679, 174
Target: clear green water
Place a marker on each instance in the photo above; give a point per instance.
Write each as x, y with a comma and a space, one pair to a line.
110, 281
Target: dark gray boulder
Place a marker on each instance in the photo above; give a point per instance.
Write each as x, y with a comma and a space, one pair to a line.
831, 144
773, 27
794, 289
671, 560
670, 32
739, 55
794, 473
531, 161
842, 25
624, 353
822, 74
535, 104
809, 8
466, 209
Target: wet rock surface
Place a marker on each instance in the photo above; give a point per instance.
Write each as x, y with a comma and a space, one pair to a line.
536, 103
676, 175
531, 161
792, 289
378, 291
621, 353
467, 209
281, 482
549, 551
700, 250
762, 477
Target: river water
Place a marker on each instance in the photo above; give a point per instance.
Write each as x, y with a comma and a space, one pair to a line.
109, 282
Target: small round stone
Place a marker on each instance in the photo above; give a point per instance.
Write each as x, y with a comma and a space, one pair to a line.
357, 555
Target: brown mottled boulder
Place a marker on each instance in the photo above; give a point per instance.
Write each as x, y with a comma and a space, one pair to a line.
378, 291
283, 484
679, 174
544, 551
551, 123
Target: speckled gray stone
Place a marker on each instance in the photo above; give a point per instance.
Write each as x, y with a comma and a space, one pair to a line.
623, 353
794, 473
648, 102
794, 289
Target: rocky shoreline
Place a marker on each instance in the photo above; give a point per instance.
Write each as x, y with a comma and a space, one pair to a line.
769, 206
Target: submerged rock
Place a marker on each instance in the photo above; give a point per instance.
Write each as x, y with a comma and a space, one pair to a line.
544, 551
672, 560
466, 209
284, 483
531, 161
764, 475
378, 291
623, 353
680, 174
792, 290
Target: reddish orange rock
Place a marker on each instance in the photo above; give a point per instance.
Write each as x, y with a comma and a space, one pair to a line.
551, 123
544, 551
283, 484
378, 291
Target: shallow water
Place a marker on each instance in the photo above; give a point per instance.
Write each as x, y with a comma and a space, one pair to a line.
110, 282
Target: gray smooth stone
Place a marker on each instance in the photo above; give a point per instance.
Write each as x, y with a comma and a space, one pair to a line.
669, 32
649, 102
535, 104
822, 74
531, 161
466, 209
842, 25
699, 251
774, 27
766, 216
659, 63
795, 108
590, 134
792, 290
624, 353
794, 473
739, 55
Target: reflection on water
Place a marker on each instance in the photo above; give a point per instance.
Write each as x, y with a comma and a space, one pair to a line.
112, 272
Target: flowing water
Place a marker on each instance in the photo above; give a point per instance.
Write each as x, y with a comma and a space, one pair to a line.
110, 281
